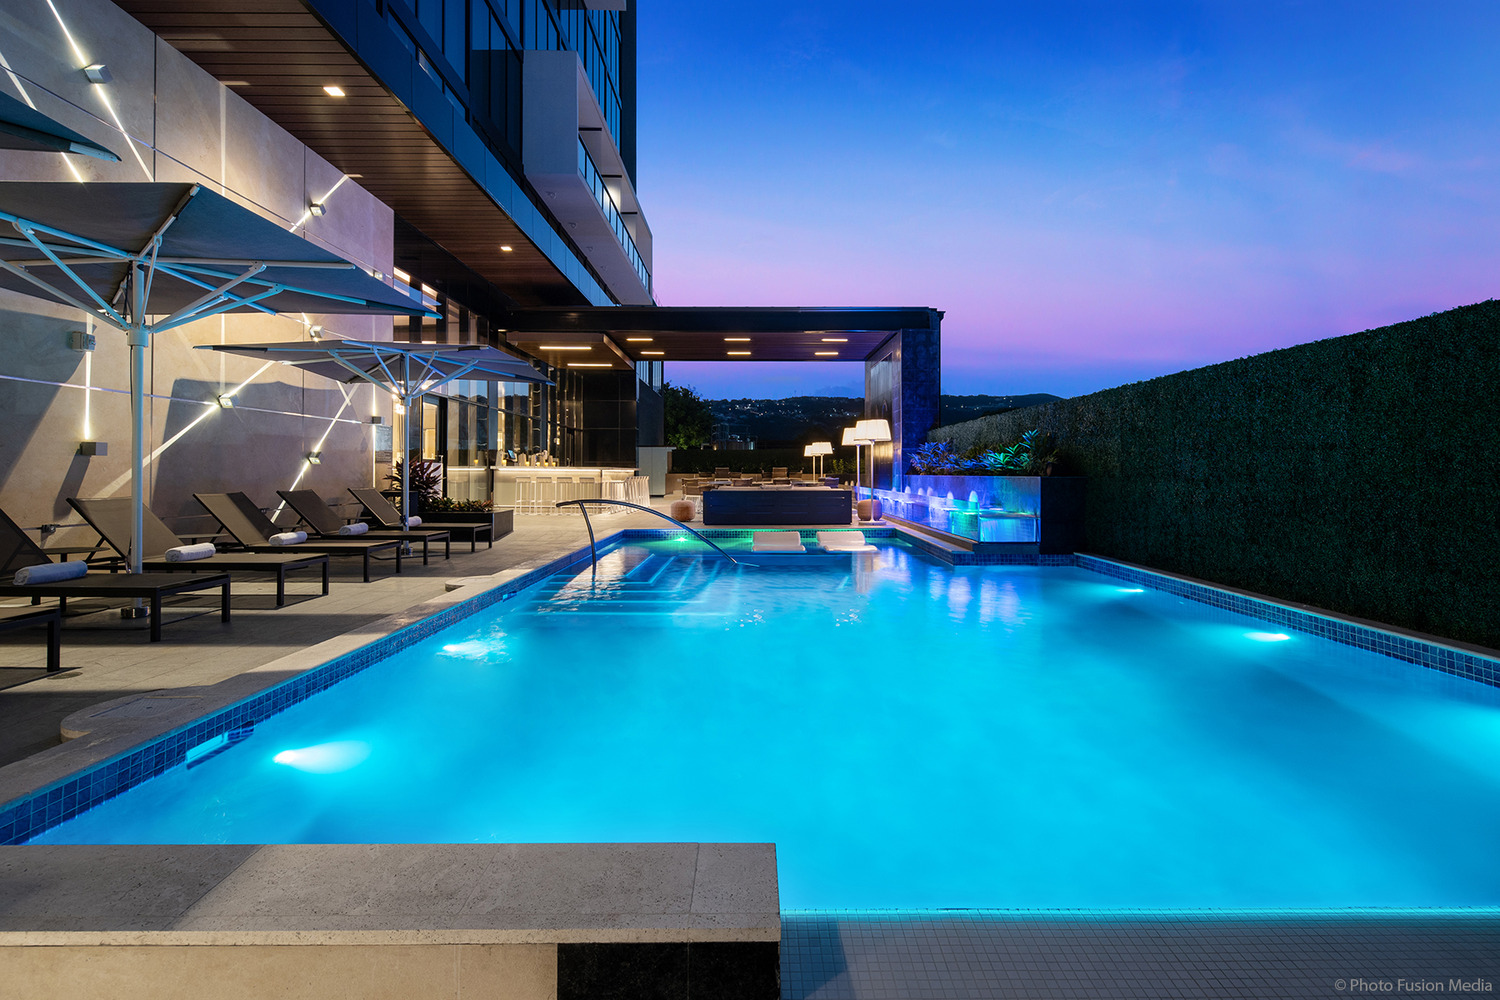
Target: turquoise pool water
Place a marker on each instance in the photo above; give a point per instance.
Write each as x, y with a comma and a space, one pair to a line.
909, 734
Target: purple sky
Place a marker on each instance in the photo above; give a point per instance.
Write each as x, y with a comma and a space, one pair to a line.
1093, 193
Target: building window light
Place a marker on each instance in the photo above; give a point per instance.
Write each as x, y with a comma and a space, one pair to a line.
333, 90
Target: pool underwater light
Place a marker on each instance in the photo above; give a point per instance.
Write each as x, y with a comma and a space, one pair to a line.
1131, 590
326, 758
1267, 636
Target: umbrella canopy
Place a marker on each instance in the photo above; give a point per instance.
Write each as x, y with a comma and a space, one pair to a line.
178, 252
24, 127
406, 370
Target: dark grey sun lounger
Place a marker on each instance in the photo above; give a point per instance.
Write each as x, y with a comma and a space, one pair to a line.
388, 517
18, 551
326, 522
29, 617
249, 525
111, 518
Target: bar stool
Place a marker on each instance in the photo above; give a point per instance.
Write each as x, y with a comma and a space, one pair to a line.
562, 489
587, 488
614, 489
638, 490
526, 495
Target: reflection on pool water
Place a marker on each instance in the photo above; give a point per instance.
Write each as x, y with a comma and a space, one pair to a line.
909, 735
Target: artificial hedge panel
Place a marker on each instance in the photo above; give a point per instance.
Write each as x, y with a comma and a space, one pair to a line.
1359, 474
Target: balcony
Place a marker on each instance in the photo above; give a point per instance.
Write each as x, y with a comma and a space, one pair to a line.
574, 162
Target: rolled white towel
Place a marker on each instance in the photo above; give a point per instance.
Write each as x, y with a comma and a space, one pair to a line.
288, 538
50, 572
354, 529
187, 553
414, 521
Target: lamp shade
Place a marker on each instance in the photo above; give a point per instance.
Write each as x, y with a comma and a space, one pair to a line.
851, 438
820, 448
873, 430
807, 452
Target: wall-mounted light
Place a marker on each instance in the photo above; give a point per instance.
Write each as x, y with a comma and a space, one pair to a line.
98, 73
316, 208
315, 332
92, 449
333, 90
81, 342
377, 419
226, 401
314, 458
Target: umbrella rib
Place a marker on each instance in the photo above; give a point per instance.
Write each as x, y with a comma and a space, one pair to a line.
225, 304
25, 229
108, 315
209, 297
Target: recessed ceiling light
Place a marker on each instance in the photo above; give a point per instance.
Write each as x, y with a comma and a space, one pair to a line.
506, 249
739, 354
589, 364
333, 91
654, 352
236, 83
825, 354
639, 340
835, 340
736, 340
565, 347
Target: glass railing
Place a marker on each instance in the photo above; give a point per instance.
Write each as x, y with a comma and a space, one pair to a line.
592, 178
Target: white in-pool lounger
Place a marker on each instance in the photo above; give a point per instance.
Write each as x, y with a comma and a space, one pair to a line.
844, 541
778, 541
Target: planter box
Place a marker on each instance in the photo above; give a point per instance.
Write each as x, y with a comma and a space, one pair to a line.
503, 520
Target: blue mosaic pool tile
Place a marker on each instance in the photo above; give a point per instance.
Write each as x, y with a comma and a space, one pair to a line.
23, 819
1450, 660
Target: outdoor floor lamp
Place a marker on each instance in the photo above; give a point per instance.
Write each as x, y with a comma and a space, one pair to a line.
817, 450
851, 437
872, 432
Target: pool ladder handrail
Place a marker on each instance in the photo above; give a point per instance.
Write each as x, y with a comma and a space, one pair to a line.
593, 552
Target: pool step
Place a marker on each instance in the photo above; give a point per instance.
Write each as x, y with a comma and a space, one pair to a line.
655, 585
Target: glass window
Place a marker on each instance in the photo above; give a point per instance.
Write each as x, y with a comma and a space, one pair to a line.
455, 34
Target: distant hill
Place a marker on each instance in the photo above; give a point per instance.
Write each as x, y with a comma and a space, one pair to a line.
781, 423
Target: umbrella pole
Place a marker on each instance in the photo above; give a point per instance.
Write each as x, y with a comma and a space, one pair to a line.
138, 338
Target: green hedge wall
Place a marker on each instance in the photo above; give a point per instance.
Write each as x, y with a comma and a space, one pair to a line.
1359, 474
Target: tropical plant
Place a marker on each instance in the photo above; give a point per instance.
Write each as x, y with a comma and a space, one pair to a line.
934, 458
687, 417
426, 480
450, 505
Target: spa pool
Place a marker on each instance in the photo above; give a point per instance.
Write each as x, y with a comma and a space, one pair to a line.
909, 734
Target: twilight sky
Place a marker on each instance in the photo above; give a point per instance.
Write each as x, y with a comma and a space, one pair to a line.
1094, 193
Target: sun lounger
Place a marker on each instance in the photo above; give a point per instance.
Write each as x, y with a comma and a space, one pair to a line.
777, 541
31, 617
17, 551
326, 522
844, 541
111, 518
248, 525
387, 517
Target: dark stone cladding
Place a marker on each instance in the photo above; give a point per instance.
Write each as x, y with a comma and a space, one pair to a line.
711, 970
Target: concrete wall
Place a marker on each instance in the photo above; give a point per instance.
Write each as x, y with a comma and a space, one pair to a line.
179, 125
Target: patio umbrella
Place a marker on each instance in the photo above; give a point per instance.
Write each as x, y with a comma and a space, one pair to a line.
24, 127
177, 252
407, 371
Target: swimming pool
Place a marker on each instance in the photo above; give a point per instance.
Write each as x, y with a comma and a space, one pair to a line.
909, 734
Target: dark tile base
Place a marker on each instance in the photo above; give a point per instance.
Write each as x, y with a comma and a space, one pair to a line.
705, 971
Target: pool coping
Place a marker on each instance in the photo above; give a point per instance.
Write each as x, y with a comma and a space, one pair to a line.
142, 735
